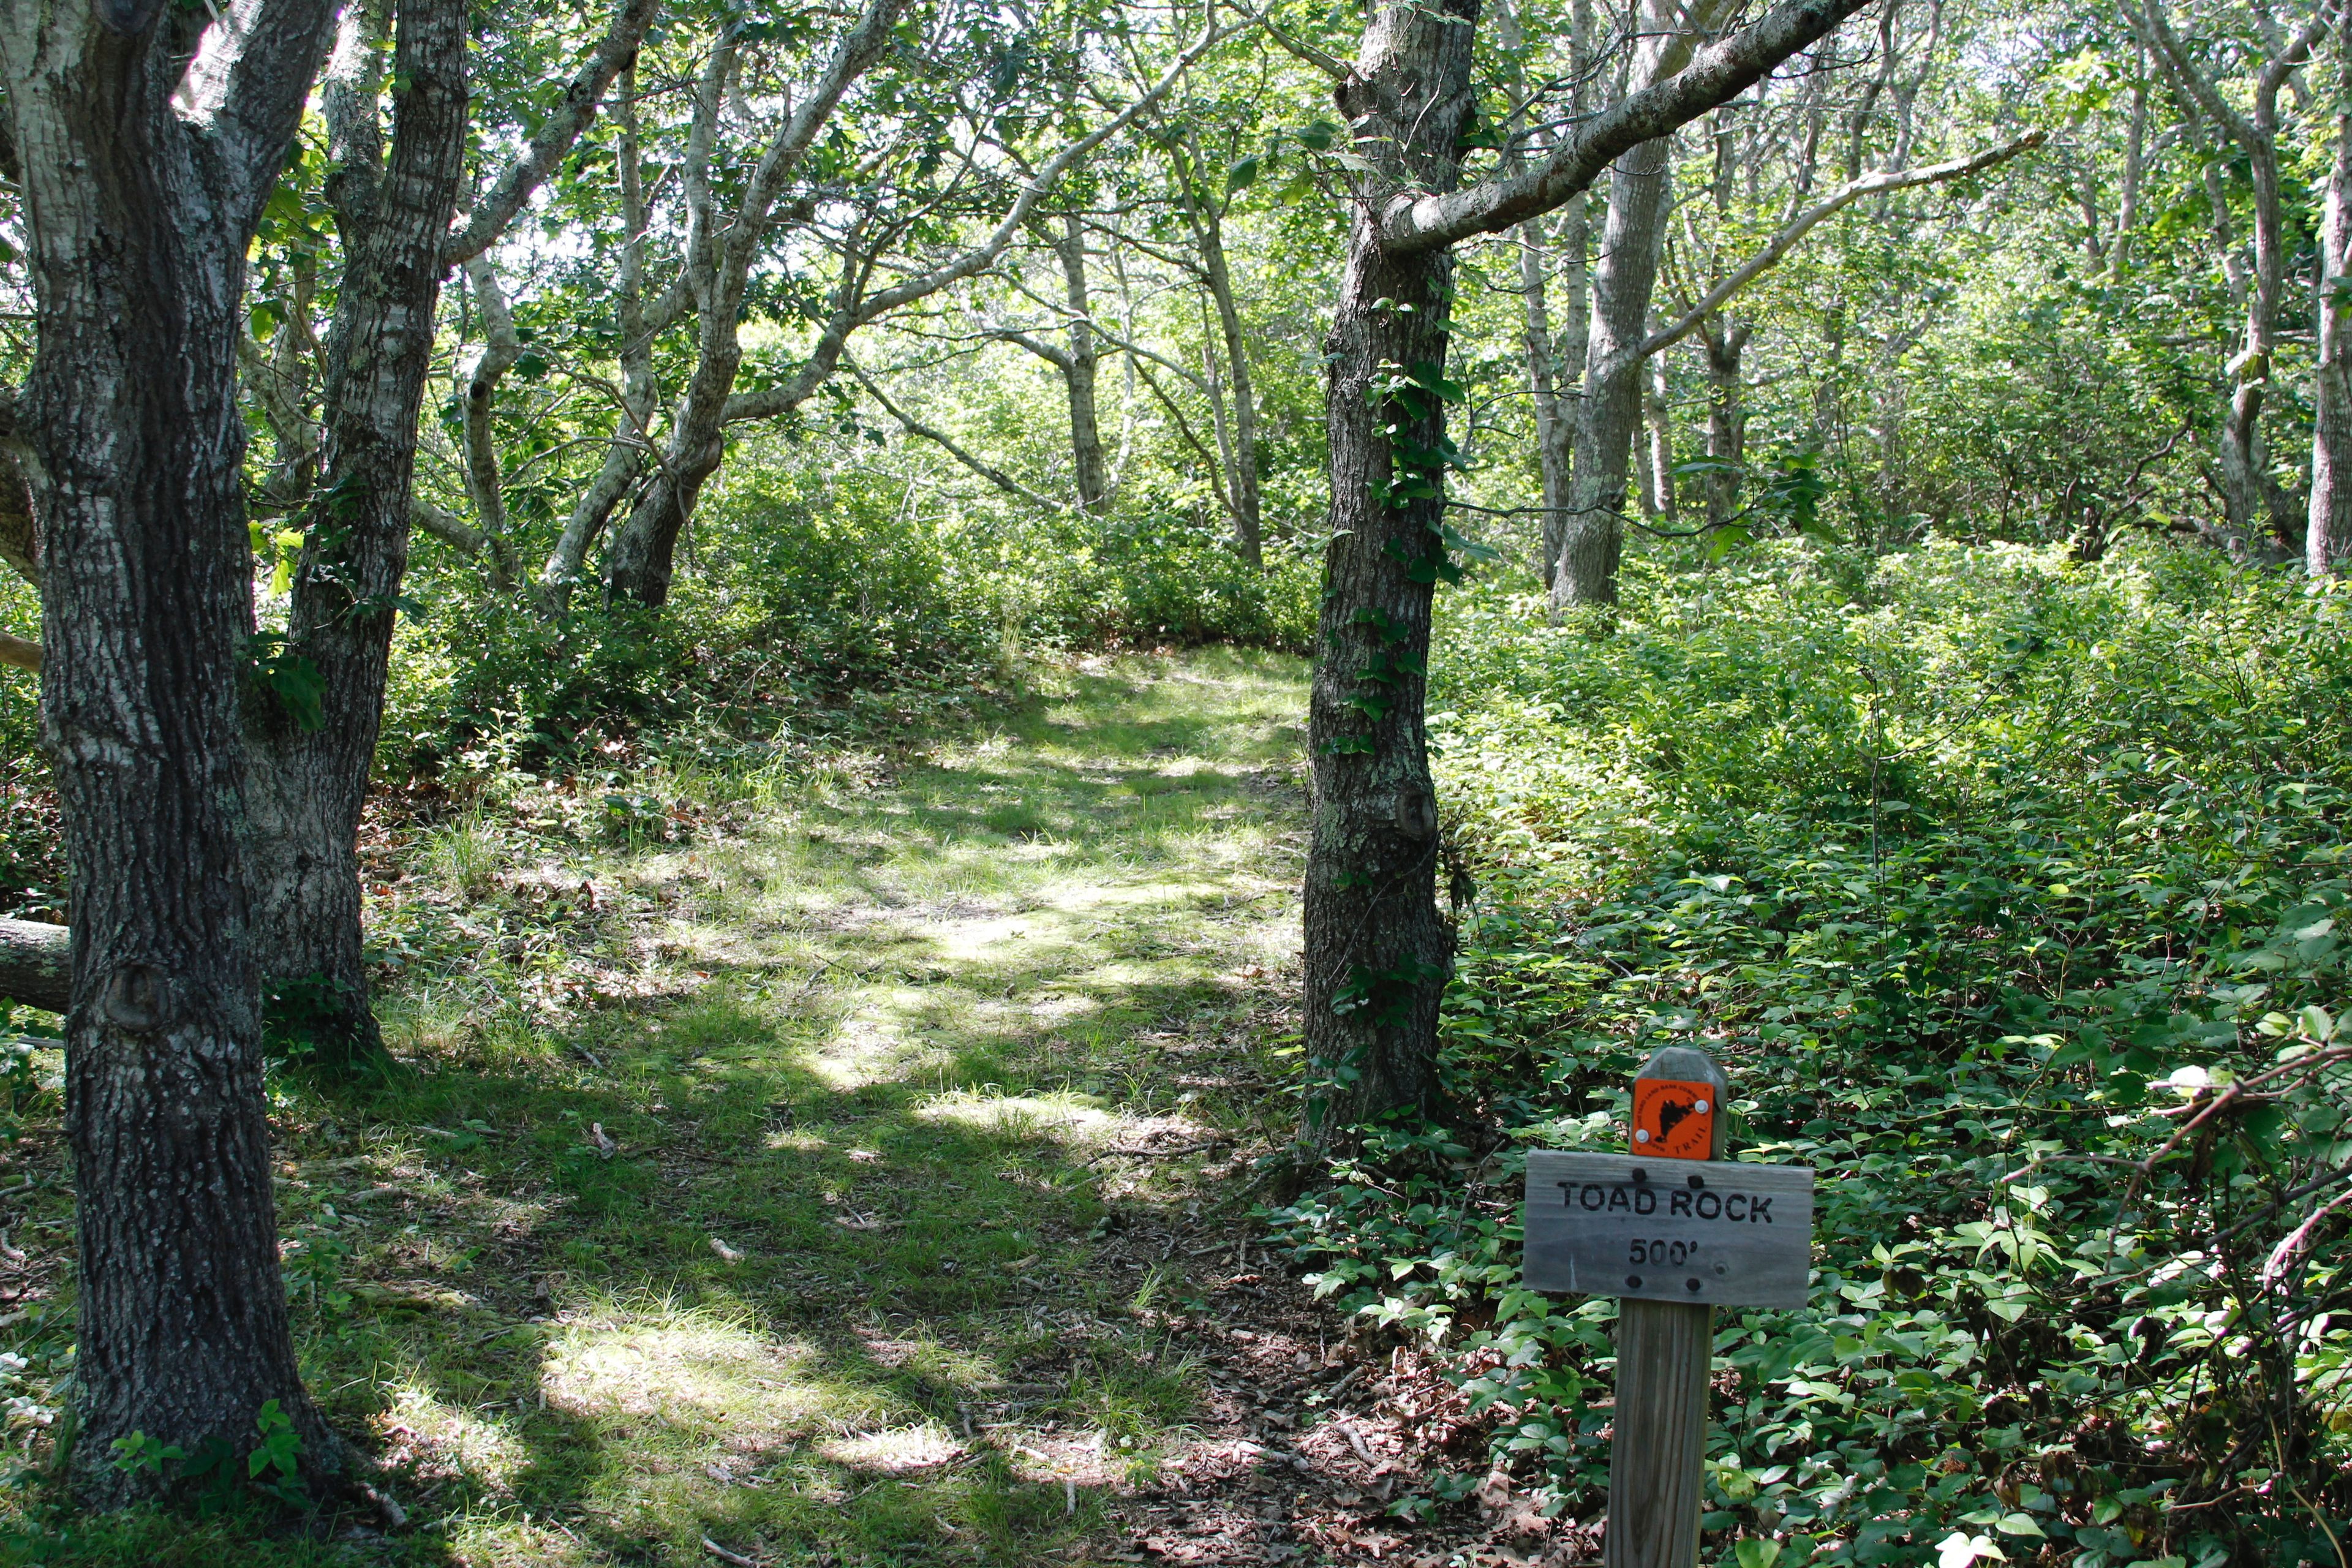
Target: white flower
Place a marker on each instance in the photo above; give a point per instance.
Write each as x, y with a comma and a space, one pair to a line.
1957, 1550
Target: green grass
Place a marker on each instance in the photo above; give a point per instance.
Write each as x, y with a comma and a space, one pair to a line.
867, 1045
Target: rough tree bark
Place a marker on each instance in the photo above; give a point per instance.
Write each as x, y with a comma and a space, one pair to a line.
1377, 950
306, 786
306, 782
139, 215
1089, 471
1727, 418
36, 965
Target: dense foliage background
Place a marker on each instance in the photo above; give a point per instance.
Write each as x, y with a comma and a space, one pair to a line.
2006, 889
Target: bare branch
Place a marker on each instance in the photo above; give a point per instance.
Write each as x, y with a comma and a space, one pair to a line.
940, 438
1764, 260
531, 167
445, 525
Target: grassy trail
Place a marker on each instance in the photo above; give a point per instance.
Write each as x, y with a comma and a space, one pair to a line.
832, 1191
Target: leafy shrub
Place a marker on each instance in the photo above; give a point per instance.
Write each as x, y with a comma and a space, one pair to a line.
812, 608
2007, 891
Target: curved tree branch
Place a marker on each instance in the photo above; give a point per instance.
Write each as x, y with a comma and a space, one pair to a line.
531, 167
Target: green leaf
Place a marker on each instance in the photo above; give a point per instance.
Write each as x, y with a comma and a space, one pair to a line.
1242, 174
289, 678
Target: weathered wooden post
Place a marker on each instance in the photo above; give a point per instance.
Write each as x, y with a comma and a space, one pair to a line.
1664, 1347
1673, 1241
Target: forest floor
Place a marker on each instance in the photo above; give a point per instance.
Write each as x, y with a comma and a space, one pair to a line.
849, 1165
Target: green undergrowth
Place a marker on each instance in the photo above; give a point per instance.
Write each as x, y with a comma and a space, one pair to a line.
1984, 875
751, 1155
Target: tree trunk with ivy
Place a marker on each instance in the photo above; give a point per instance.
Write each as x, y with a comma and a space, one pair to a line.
312, 749
1378, 952
138, 217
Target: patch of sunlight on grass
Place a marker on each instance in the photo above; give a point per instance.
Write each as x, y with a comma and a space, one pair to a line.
896, 1451
865, 1047
499, 1541
450, 1436
695, 1366
898, 1039
1023, 1116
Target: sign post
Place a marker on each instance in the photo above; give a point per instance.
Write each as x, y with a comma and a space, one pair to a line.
1675, 1235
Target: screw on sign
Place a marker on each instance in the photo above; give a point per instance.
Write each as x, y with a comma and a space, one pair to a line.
1673, 1230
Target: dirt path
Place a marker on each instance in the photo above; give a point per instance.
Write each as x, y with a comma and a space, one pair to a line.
862, 1178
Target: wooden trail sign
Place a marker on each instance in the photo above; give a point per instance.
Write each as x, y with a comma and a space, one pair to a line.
1657, 1230
1675, 1231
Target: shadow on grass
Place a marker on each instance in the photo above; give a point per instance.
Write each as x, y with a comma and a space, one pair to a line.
799, 1244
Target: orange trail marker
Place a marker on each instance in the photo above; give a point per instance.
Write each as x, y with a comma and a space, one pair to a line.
1675, 1117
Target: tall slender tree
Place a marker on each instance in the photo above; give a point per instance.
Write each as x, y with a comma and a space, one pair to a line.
2328, 538
308, 766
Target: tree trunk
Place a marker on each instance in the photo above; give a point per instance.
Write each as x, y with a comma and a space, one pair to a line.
1569, 350
1727, 421
36, 965
644, 548
1556, 339
1611, 411
307, 779
2135, 157
139, 220
1377, 952
1663, 500
1242, 467
1536, 317
1089, 469
624, 452
2328, 540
